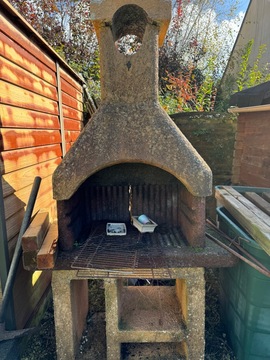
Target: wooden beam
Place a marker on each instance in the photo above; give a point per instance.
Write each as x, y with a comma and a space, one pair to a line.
266, 196
248, 204
48, 251
253, 220
34, 235
29, 259
258, 201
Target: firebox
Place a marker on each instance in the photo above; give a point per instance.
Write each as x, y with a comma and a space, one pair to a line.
131, 158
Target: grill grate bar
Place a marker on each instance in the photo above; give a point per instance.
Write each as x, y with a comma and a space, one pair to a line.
135, 255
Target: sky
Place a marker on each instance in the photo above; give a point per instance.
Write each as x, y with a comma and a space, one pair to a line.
243, 5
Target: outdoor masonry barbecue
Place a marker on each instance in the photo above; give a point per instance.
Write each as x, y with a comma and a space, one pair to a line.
131, 158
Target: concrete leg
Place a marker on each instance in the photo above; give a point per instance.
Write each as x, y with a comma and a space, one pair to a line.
113, 303
196, 314
70, 299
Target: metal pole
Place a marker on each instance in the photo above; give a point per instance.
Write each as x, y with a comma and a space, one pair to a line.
4, 260
4, 255
18, 249
258, 268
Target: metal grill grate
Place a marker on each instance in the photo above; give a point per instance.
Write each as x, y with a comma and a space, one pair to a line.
133, 255
105, 252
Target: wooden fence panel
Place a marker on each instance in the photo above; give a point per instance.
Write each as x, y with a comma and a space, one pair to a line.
20, 158
12, 116
8, 27
14, 74
16, 96
20, 56
30, 134
18, 138
19, 179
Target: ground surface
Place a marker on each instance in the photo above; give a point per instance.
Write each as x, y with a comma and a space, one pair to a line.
41, 345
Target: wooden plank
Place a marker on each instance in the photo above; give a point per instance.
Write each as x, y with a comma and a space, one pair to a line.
17, 180
29, 259
68, 146
249, 205
45, 201
14, 74
71, 90
47, 254
12, 138
71, 136
74, 83
34, 235
71, 113
246, 216
16, 96
266, 196
15, 53
28, 290
13, 204
18, 200
8, 27
71, 102
20, 158
12, 116
258, 201
13, 224
73, 125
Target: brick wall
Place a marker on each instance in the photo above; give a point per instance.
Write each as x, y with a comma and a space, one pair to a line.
251, 164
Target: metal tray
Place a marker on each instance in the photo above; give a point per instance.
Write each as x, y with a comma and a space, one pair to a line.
116, 229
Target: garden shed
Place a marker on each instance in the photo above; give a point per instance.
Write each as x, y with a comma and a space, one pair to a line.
243, 214
251, 164
41, 115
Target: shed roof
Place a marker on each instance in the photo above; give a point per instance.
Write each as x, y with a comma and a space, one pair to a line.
254, 96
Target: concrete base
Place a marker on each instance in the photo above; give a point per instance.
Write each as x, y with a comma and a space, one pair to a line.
70, 298
134, 314
157, 314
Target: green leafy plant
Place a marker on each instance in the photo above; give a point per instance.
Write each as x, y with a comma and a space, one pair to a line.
249, 76
190, 90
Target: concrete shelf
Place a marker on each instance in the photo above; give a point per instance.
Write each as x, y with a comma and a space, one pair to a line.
157, 314
149, 308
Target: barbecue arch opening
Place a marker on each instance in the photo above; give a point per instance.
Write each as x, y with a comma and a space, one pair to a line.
128, 28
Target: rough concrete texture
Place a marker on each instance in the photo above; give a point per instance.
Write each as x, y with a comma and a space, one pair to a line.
149, 314
158, 11
134, 314
130, 125
70, 297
